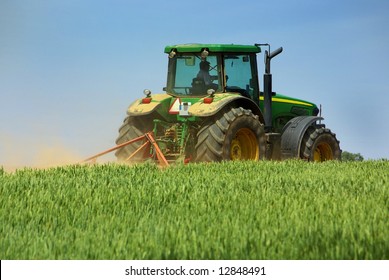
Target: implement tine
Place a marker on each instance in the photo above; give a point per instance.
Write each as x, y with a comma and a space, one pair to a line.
158, 152
145, 144
115, 148
150, 141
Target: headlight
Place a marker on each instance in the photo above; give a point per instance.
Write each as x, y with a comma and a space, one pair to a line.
211, 92
172, 54
147, 92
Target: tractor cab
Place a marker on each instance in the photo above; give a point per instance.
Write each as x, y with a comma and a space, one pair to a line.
194, 70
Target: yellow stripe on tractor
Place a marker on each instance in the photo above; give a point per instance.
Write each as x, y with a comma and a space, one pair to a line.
275, 99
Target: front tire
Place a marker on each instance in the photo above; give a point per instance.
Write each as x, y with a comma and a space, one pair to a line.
320, 144
235, 135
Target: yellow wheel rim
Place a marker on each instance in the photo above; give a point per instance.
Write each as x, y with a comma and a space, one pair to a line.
323, 152
244, 146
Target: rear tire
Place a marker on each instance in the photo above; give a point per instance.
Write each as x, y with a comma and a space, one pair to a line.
235, 135
131, 128
320, 144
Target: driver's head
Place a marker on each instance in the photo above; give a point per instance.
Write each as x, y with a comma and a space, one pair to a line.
204, 65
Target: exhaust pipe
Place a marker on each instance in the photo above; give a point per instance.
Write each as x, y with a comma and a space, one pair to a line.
267, 88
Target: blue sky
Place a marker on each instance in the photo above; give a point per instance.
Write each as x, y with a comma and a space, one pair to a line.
69, 69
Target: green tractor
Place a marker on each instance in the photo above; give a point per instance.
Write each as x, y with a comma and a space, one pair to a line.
213, 110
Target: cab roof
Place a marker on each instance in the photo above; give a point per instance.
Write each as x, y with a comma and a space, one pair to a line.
214, 48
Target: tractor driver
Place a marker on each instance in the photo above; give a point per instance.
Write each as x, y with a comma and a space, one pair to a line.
204, 75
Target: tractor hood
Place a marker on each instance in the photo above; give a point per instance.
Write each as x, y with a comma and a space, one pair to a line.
287, 99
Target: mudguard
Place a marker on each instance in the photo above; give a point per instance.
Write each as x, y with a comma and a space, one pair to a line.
137, 108
293, 133
201, 109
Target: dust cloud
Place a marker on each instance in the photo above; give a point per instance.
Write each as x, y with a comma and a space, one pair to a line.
16, 153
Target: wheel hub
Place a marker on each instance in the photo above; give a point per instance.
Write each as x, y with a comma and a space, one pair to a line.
244, 146
323, 152
236, 150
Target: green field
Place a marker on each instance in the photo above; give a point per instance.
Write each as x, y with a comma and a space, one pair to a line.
231, 210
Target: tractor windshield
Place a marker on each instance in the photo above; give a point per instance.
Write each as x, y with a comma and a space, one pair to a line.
189, 74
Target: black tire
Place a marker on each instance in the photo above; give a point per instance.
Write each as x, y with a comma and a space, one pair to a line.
236, 134
131, 128
320, 144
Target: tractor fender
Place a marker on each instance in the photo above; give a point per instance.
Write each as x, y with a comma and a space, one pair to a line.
139, 108
201, 109
292, 135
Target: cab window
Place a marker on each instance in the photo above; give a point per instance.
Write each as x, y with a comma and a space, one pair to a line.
239, 74
189, 74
